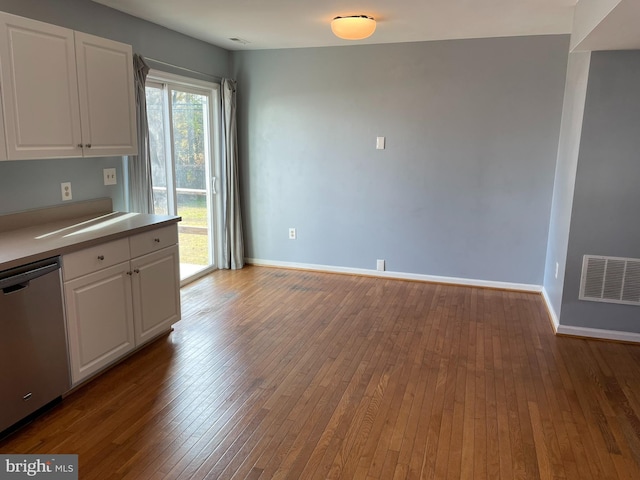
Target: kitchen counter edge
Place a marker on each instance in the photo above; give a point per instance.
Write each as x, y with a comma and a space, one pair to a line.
22, 246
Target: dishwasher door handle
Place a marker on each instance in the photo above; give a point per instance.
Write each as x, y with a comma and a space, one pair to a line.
15, 288
23, 275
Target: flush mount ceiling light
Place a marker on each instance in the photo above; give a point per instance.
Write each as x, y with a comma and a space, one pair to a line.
355, 27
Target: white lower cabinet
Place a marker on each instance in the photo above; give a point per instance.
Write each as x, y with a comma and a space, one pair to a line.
99, 319
156, 301
120, 295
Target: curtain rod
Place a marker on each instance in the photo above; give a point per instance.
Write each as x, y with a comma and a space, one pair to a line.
214, 77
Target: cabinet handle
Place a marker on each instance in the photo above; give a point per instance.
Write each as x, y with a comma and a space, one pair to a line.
100, 257
137, 271
157, 240
88, 145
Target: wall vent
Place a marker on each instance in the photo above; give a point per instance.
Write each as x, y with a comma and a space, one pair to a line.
239, 40
610, 279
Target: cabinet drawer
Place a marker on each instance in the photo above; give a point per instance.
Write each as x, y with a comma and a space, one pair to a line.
153, 240
95, 258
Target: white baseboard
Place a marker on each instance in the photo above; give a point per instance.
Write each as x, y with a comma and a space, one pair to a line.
627, 337
521, 287
555, 321
596, 333
559, 329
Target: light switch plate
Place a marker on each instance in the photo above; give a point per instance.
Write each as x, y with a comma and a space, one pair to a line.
109, 176
380, 143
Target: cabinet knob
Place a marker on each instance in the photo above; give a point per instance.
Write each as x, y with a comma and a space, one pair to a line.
137, 271
88, 145
100, 257
79, 145
157, 240
129, 273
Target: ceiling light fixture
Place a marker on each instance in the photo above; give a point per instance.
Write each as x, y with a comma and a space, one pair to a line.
354, 27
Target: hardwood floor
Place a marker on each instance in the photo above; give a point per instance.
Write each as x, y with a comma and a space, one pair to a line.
299, 375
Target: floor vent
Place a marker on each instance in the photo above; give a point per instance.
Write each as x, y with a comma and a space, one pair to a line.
610, 279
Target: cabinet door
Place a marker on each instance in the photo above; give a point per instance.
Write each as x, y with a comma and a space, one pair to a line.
156, 293
3, 145
39, 89
99, 319
107, 99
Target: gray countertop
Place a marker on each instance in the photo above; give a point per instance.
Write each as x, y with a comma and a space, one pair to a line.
37, 242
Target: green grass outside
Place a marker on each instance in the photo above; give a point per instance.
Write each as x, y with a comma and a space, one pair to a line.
193, 216
193, 247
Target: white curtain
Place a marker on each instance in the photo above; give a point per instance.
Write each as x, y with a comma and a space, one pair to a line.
140, 183
233, 247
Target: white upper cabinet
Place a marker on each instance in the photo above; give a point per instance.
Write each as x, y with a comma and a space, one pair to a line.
64, 93
107, 98
39, 89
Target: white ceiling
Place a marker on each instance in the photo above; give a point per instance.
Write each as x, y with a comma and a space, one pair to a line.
305, 23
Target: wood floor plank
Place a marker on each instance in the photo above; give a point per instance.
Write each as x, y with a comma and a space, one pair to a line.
289, 374
447, 408
434, 381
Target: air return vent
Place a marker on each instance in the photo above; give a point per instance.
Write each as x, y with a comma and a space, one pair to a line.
610, 279
241, 41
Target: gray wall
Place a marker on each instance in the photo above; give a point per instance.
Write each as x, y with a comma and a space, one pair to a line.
567, 163
464, 186
606, 202
34, 184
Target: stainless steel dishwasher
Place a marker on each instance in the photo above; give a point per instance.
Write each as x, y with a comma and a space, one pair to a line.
34, 368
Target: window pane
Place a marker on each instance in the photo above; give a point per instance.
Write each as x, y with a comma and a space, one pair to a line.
156, 119
190, 156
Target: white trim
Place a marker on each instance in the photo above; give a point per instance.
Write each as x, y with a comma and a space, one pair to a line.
198, 275
586, 332
159, 76
598, 333
555, 321
522, 287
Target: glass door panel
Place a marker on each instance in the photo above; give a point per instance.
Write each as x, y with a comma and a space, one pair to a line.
180, 142
191, 157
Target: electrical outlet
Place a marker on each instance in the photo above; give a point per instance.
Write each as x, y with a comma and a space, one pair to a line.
292, 234
380, 265
109, 176
66, 191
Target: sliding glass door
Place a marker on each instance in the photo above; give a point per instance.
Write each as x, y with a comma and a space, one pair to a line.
183, 167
